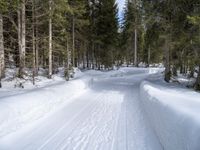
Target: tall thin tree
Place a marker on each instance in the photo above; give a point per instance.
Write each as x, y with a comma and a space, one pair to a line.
22, 36
50, 40
2, 59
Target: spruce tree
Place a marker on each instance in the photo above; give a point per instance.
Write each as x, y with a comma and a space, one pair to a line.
106, 32
132, 30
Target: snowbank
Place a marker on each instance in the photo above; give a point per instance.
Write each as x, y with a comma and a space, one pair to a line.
19, 109
173, 114
121, 72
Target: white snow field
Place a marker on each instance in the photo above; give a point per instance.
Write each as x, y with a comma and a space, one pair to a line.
115, 110
174, 114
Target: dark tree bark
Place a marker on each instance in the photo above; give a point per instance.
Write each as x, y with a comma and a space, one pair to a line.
166, 61
197, 84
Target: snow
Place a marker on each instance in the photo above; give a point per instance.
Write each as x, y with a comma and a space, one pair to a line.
124, 109
185, 80
173, 113
19, 109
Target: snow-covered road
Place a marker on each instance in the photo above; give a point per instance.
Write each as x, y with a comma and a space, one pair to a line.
108, 116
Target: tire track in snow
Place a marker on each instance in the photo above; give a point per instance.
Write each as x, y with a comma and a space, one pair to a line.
95, 127
106, 118
89, 127
67, 137
86, 108
105, 133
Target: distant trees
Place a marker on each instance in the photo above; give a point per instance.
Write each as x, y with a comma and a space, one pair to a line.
131, 29
102, 34
106, 33
72, 33
195, 20
54, 33
167, 31
180, 34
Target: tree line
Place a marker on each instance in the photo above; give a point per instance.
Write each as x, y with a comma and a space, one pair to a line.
50, 34
165, 31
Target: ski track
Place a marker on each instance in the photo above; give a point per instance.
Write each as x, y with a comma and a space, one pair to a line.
107, 117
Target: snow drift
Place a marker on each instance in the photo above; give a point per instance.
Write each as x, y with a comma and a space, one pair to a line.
19, 109
173, 114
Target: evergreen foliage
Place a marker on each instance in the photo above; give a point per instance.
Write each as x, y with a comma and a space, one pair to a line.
87, 34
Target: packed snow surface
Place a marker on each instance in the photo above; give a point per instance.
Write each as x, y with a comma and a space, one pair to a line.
174, 115
111, 110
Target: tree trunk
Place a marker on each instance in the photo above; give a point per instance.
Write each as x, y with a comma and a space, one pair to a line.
22, 37
73, 41
67, 65
174, 70
19, 41
36, 53
191, 75
197, 84
23, 32
135, 49
135, 45
36, 46
93, 55
83, 57
166, 61
33, 39
2, 59
87, 59
149, 56
50, 40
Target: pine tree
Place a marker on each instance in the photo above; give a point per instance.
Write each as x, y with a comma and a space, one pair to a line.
132, 30
106, 32
77, 24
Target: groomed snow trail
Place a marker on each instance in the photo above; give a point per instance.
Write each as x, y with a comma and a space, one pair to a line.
107, 117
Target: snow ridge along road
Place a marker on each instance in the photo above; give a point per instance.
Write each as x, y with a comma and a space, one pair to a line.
108, 116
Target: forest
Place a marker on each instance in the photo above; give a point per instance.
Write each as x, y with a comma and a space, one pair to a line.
88, 34
99, 74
